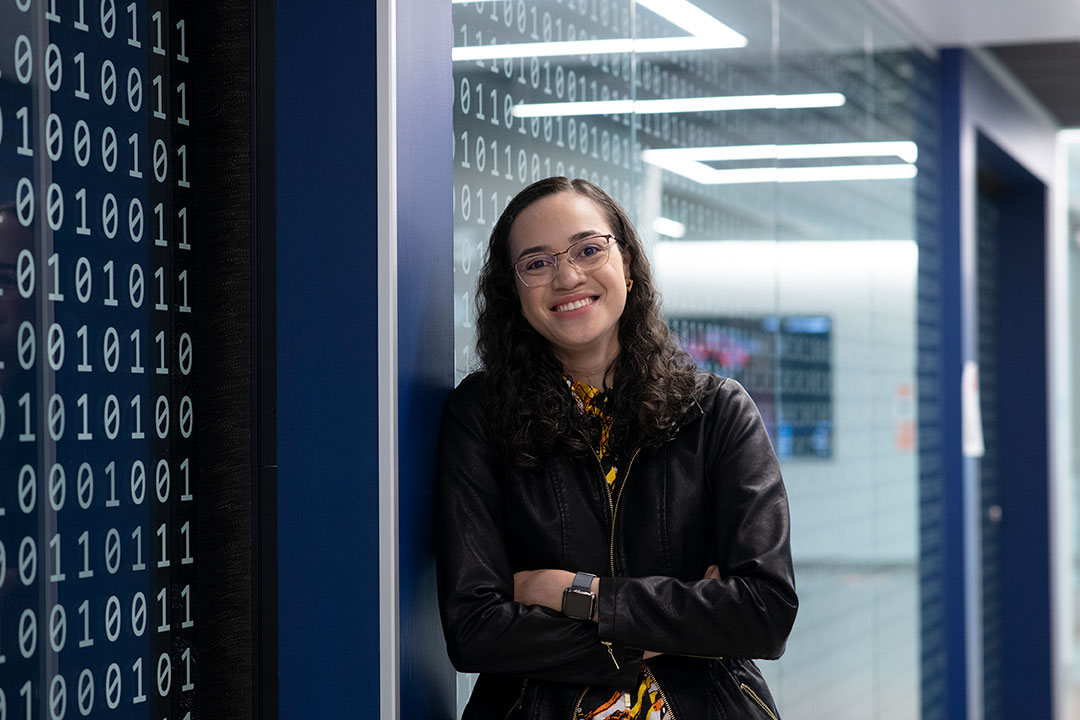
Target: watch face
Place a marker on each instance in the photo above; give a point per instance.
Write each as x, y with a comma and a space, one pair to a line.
577, 604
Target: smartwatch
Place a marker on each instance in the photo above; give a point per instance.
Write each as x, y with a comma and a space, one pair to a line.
578, 601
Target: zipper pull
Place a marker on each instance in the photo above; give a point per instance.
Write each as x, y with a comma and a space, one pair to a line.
626, 701
611, 653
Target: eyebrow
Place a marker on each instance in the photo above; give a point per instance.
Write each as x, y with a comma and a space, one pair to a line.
571, 240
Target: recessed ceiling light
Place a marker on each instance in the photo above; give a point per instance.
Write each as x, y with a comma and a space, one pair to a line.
706, 33
690, 162
678, 105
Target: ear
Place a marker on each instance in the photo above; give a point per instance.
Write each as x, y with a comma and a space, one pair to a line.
625, 255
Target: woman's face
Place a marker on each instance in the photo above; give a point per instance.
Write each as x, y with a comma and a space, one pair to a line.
577, 312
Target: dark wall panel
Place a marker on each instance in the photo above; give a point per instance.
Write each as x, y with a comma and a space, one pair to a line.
327, 362
425, 337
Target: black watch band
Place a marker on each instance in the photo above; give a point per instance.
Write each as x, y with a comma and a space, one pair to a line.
578, 599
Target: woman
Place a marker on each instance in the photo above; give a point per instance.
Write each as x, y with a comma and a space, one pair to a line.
613, 530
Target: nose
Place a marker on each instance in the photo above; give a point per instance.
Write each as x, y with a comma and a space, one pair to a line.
567, 274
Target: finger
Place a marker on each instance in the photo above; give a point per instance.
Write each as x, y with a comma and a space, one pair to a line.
712, 573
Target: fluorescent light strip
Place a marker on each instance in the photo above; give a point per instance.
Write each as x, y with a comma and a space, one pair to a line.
705, 175
706, 33
690, 162
832, 173
677, 105
903, 149
670, 228
738, 268
586, 47
694, 20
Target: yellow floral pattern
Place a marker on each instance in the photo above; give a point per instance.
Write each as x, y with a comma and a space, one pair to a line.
647, 704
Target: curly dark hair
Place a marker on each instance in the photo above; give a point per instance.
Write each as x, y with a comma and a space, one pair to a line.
531, 410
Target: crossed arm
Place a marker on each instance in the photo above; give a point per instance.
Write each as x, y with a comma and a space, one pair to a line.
545, 588
503, 622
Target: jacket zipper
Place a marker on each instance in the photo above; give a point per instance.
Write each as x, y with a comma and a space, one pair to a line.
600, 468
757, 698
613, 507
615, 510
611, 511
520, 700
611, 653
627, 701
648, 674
577, 706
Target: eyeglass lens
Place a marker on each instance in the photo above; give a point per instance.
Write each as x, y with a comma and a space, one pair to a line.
586, 253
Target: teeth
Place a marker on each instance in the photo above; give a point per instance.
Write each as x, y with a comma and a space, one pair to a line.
575, 305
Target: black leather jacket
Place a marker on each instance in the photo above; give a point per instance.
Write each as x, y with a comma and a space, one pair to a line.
712, 494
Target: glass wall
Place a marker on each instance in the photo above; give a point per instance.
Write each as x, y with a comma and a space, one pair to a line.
770, 154
114, 542
1073, 323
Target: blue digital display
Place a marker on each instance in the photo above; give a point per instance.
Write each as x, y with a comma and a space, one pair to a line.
97, 373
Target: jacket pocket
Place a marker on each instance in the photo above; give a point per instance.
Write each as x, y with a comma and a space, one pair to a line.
757, 699
741, 690
515, 710
498, 698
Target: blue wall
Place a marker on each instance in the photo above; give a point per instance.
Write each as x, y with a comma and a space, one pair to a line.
953, 571
978, 112
328, 353
327, 360
425, 337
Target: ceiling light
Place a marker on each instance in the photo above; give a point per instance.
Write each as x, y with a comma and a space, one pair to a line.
677, 105
585, 47
694, 20
903, 149
670, 228
706, 33
684, 269
828, 173
690, 162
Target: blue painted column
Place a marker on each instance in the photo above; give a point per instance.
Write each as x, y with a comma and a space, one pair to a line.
952, 321
327, 417
336, 464
425, 245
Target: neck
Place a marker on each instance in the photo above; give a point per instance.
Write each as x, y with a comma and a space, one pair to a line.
591, 368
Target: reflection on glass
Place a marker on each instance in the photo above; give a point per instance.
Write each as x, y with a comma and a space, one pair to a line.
775, 179
97, 516
1073, 323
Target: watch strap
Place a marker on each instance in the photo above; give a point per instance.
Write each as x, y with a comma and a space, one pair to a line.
583, 582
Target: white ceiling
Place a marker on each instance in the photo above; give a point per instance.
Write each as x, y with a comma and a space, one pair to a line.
947, 23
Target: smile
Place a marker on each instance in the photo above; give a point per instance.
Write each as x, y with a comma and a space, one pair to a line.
574, 305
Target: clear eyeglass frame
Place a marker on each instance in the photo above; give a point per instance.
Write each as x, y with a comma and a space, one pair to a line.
532, 274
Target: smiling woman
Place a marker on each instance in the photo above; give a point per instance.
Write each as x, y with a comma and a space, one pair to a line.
570, 586
577, 309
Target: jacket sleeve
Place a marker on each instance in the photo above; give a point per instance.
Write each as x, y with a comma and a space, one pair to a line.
750, 610
486, 631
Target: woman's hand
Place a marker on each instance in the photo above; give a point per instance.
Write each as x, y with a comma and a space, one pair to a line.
543, 587
711, 573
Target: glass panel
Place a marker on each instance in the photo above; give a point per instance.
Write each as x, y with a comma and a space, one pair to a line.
849, 255
1074, 442
505, 137
97, 489
772, 176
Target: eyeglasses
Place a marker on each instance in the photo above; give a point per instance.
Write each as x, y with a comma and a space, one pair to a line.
586, 254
